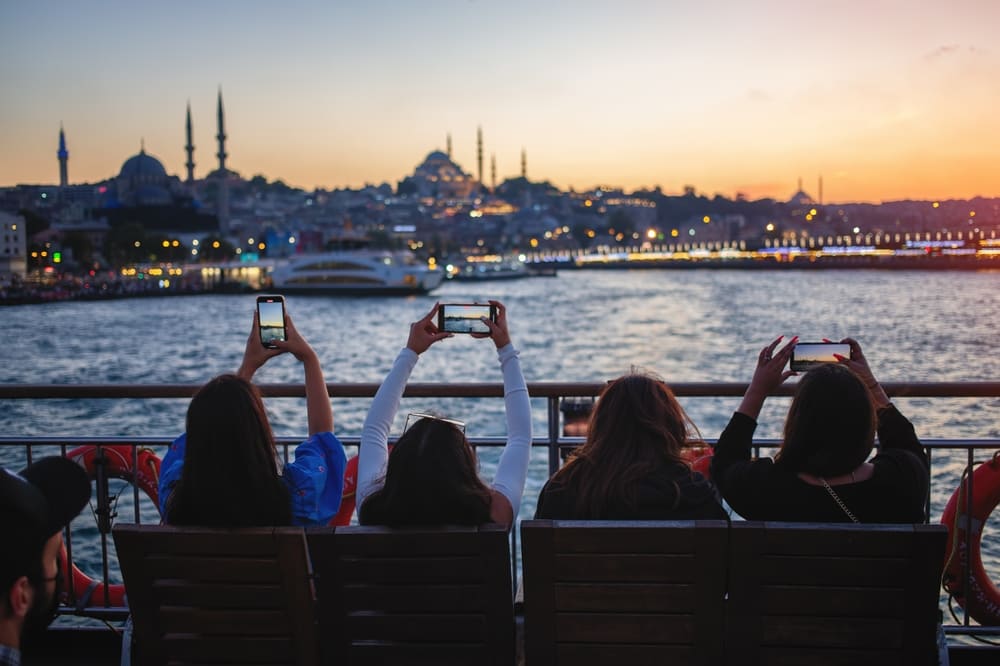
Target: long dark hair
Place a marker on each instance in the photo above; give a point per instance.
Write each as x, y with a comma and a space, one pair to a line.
230, 476
830, 428
637, 428
431, 479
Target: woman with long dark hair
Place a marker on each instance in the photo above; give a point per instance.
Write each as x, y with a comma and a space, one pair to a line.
224, 471
431, 476
822, 471
632, 467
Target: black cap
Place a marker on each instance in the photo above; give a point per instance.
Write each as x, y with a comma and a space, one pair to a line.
66, 488
35, 505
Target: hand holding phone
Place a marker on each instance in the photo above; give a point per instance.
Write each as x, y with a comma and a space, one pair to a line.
465, 317
271, 320
807, 355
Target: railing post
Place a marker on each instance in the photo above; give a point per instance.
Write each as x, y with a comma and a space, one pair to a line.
553, 434
104, 514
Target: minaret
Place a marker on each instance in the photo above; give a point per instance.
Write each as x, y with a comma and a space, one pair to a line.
221, 136
449, 145
524, 164
493, 171
222, 197
189, 147
821, 190
63, 156
479, 152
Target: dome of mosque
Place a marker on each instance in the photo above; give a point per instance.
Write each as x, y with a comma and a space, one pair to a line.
143, 168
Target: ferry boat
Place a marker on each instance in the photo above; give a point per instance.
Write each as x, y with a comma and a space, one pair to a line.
496, 267
356, 272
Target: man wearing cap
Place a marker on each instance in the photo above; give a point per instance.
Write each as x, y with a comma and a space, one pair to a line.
35, 506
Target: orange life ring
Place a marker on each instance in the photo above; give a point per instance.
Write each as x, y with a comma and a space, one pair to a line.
983, 602
700, 459
347, 499
146, 476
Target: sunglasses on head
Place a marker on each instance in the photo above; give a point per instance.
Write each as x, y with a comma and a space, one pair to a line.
413, 417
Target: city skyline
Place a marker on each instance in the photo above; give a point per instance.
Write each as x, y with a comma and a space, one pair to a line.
881, 100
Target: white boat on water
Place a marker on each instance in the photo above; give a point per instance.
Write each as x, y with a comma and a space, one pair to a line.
355, 272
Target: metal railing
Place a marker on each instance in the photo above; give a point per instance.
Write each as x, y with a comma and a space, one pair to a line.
552, 440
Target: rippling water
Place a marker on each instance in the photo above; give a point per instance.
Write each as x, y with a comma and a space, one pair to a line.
686, 325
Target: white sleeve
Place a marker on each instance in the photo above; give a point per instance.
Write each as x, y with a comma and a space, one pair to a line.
373, 456
512, 470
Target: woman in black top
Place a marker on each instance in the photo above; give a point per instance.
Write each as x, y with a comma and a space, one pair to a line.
822, 472
630, 467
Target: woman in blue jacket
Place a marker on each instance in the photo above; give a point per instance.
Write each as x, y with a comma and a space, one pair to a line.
224, 471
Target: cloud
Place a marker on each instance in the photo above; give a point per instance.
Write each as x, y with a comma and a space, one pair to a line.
951, 50
758, 95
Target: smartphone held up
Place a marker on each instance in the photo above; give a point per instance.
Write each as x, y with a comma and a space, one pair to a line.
465, 317
807, 355
271, 317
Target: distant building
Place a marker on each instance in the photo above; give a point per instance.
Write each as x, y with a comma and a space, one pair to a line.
143, 181
439, 177
13, 247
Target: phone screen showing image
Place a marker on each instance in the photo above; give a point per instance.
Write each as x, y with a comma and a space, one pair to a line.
271, 314
808, 355
454, 318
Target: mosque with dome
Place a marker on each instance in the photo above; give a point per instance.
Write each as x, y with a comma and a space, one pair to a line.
144, 194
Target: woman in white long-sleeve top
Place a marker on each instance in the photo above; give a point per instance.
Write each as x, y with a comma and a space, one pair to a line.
431, 475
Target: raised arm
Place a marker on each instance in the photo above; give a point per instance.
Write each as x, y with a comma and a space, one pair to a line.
373, 456
318, 408
894, 430
769, 375
512, 470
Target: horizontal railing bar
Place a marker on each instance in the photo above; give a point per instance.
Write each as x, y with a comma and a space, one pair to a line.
467, 390
349, 440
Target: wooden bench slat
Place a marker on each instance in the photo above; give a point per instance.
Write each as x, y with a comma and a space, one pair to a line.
624, 628
410, 570
213, 569
609, 567
793, 656
416, 627
418, 654
424, 597
205, 622
843, 632
229, 650
208, 595
594, 654
833, 601
624, 597
836, 571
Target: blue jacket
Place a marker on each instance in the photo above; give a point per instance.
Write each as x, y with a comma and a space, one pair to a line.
315, 478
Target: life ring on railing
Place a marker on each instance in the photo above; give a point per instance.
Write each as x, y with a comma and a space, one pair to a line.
145, 476
347, 499
983, 602
700, 459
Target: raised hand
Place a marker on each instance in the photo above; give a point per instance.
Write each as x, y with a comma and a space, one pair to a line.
255, 354
424, 332
498, 330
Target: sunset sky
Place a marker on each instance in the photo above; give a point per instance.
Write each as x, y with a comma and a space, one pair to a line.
886, 99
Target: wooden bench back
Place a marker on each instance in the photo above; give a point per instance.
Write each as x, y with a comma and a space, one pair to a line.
834, 594
436, 595
218, 596
623, 592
